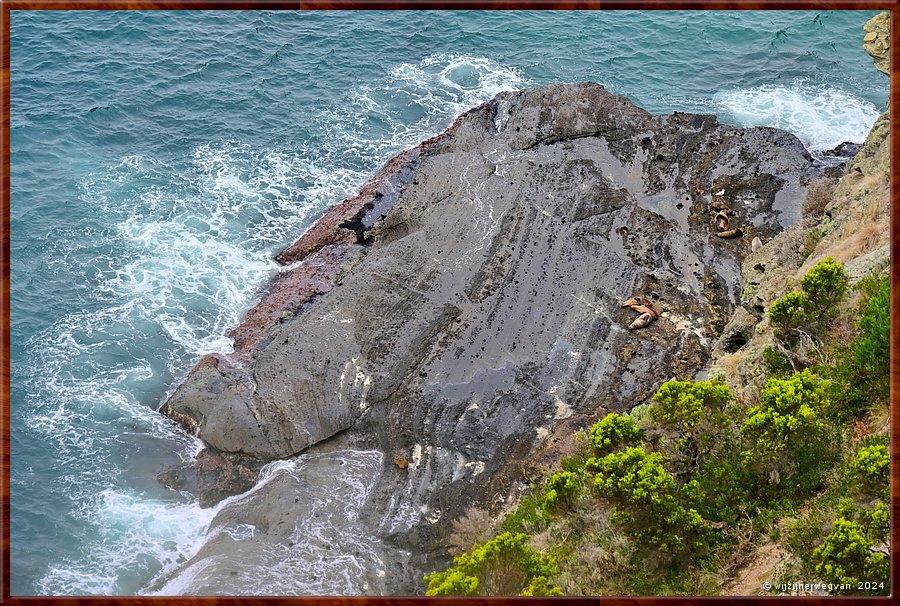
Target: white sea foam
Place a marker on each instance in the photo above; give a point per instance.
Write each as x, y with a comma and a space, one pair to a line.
178, 250
415, 101
180, 257
821, 118
137, 538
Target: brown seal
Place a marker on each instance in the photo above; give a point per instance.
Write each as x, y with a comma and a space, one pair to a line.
731, 233
722, 219
723, 226
643, 306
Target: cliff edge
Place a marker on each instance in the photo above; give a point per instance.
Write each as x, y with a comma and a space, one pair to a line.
462, 313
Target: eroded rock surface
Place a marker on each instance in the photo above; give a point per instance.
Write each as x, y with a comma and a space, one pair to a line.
464, 309
877, 41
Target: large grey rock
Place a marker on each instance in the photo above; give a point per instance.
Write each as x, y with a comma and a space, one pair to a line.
500, 267
478, 316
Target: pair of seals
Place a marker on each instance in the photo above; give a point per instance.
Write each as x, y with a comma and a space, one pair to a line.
643, 306
723, 228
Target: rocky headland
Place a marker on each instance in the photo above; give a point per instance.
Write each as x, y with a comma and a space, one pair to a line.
455, 321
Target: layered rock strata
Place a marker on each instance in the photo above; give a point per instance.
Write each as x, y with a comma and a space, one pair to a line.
462, 312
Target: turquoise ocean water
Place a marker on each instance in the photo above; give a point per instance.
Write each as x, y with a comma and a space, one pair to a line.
159, 159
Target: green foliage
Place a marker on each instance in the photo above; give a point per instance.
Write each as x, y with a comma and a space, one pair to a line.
505, 565
698, 442
872, 347
872, 466
573, 463
684, 406
777, 364
724, 483
540, 586
787, 430
531, 516
824, 284
649, 504
452, 582
847, 556
877, 521
614, 431
789, 311
810, 310
861, 369
562, 487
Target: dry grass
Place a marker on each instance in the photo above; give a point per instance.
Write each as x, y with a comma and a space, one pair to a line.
476, 526
842, 330
819, 193
880, 420
864, 240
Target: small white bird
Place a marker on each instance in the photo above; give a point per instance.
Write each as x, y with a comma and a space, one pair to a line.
719, 193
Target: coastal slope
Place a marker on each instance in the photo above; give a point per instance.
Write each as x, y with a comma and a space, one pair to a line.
461, 315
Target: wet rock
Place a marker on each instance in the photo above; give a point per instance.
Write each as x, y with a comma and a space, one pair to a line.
846, 149
181, 477
477, 315
221, 475
212, 476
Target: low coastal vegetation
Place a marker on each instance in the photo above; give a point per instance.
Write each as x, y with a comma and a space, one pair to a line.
677, 495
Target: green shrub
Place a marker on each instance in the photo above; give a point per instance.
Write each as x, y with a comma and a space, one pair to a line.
692, 420
847, 557
684, 406
787, 431
648, 502
861, 370
540, 586
612, 432
788, 313
505, 565
810, 310
532, 515
724, 483
877, 521
777, 364
824, 286
872, 466
573, 463
562, 487
872, 347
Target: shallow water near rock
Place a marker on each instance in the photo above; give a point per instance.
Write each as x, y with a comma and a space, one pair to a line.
160, 160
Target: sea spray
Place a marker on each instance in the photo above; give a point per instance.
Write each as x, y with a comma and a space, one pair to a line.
142, 230
178, 251
822, 118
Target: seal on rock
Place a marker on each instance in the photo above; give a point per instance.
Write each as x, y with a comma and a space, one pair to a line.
643, 306
722, 219
731, 233
723, 227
